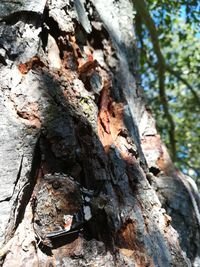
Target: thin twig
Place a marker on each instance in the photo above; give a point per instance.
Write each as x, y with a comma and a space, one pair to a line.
178, 76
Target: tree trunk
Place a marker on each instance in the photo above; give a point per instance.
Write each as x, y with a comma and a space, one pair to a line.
77, 138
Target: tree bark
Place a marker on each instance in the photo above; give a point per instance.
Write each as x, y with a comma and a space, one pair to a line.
75, 126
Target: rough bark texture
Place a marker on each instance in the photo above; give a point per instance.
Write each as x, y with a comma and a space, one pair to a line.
72, 108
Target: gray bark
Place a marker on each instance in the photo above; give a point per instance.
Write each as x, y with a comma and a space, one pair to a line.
72, 109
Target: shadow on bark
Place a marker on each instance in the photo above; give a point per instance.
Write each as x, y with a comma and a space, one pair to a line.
88, 136
68, 144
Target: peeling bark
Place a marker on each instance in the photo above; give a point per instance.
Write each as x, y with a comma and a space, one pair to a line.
71, 106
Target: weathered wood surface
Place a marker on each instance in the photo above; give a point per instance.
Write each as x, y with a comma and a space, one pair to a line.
71, 103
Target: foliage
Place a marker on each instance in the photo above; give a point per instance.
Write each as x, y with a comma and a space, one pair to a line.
177, 26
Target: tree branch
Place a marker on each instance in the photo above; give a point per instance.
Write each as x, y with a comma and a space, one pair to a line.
141, 8
178, 76
163, 98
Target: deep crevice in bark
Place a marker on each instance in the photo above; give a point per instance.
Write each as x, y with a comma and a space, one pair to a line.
51, 24
27, 190
155, 171
25, 16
